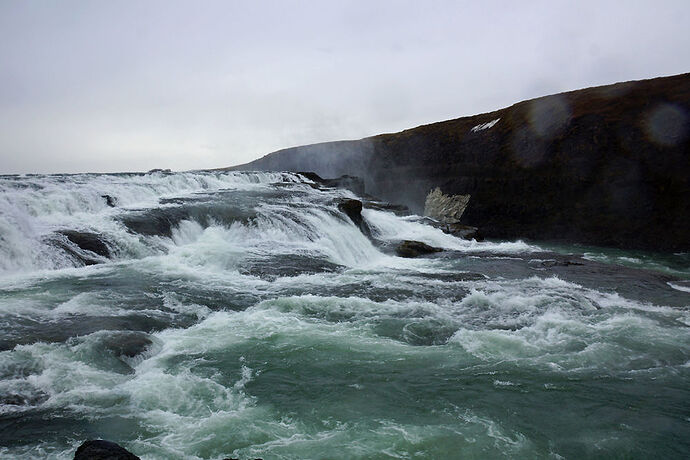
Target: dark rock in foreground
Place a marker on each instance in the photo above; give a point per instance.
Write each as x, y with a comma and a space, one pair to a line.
409, 248
608, 166
103, 450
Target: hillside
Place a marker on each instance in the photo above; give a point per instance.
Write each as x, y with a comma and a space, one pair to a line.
608, 165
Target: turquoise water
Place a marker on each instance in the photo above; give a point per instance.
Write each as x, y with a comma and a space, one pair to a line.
262, 323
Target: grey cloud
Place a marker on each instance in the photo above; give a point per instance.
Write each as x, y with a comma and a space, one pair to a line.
108, 86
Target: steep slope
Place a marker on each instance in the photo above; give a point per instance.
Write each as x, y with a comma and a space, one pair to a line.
608, 165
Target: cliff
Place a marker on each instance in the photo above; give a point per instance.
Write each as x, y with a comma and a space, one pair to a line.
608, 165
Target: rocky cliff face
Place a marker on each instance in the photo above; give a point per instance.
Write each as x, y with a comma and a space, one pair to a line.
607, 165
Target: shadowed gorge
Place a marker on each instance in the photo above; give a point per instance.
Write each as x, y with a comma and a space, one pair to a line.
608, 165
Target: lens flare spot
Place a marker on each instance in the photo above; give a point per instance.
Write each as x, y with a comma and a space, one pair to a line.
667, 125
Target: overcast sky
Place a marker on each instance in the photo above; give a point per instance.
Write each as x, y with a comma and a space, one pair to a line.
128, 86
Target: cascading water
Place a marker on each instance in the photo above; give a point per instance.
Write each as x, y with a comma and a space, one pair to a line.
212, 315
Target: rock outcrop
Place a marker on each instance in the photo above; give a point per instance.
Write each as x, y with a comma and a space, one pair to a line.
88, 241
410, 248
352, 183
446, 209
353, 210
608, 166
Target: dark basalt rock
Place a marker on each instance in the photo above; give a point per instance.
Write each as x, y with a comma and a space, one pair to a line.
88, 241
409, 248
397, 209
103, 450
110, 201
608, 166
290, 265
155, 222
353, 210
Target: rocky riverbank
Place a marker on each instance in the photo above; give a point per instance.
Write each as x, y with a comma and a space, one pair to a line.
608, 166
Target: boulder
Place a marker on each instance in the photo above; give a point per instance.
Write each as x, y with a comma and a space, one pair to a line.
353, 210
103, 450
446, 209
410, 248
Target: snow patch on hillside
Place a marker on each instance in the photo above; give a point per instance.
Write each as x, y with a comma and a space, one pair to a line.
483, 126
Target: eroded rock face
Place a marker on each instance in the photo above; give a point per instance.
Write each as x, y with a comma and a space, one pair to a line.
446, 209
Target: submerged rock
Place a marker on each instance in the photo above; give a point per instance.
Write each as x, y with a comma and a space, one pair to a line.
103, 450
353, 209
280, 266
410, 248
128, 344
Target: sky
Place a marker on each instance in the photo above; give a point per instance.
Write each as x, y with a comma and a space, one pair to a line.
104, 86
